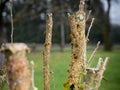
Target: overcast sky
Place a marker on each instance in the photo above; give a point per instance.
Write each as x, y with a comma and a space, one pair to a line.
115, 11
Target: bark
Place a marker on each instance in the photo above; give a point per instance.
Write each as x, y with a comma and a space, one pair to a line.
80, 75
46, 52
17, 68
2, 40
77, 25
94, 76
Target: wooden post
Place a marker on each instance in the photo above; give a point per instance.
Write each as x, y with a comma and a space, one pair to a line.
46, 52
17, 69
77, 25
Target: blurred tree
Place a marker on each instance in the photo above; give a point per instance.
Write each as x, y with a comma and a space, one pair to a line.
102, 22
32, 14
2, 21
2, 40
106, 34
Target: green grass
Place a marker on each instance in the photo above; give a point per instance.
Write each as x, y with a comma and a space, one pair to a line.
59, 64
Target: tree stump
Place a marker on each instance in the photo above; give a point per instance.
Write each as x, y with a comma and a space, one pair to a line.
17, 68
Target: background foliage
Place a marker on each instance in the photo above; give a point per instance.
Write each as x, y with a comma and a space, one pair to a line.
30, 15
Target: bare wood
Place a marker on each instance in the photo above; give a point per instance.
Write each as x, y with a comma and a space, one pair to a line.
17, 68
88, 15
94, 76
89, 79
32, 76
93, 54
90, 28
99, 74
46, 52
100, 61
77, 25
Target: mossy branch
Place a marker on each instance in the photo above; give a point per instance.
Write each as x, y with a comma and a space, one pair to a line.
78, 59
46, 52
80, 75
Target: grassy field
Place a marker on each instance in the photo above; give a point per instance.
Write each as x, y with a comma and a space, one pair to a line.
59, 65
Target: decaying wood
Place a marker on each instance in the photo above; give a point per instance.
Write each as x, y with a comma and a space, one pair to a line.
77, 25
46, 52
17, 68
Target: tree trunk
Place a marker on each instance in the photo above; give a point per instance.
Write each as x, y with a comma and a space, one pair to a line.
2, 58
107, 42
2, 23
2, 34
78, 57
2, 40
17, 66
106, 34
62, 36
62, 26
2, 29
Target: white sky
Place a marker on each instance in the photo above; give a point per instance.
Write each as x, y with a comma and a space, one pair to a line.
115, 11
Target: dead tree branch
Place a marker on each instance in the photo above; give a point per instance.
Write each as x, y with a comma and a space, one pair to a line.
46, 52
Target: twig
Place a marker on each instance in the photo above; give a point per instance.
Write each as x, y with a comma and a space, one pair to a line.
32, 76
94, 76
99, 74
100, 60
93, 54
90, 28
88, 15
105, 62
12, 27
